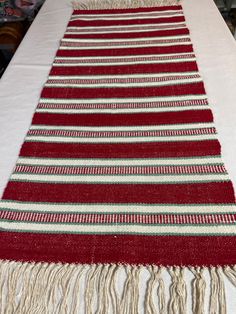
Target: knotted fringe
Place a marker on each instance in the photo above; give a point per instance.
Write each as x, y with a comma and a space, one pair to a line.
178, 292
199, 289
155, 278
120, 4
217, 300
109, 288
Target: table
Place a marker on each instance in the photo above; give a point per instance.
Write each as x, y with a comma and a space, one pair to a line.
22, 82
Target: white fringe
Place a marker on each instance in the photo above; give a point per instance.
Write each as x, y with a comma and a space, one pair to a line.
74, 288
199, 290
120, 4
178, 292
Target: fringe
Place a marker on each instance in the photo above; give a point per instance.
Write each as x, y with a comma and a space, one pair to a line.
199, 290
155, 278
69, 288
217, 300
178, 293
120, 4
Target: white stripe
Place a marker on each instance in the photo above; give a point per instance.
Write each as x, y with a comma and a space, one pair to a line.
125, 128
126, 18
115, 228
161, 109
112, 179
126, 46
120, 162
125, 84
120, 100
117, 208
127, 15
64, 139
148, 61
142, 75
128, 57
120, 40
123, 27
128, 29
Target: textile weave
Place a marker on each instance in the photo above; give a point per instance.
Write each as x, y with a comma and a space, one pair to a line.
121, 163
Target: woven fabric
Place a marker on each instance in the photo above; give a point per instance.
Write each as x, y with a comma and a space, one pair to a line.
121, 163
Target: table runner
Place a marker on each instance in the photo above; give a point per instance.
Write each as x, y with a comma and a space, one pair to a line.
155, 178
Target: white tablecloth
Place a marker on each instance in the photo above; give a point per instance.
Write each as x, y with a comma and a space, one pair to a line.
22, 82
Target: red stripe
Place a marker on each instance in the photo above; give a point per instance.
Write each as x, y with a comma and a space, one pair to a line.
131, 10
185, 193
126, 69
173, 32
130, 249
135, 119
124, 51
124, 150
111, 22
124, 92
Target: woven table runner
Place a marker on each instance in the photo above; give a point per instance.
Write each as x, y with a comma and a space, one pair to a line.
120, 173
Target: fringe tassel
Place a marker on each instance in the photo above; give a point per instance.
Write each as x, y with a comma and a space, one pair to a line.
108, 288
199, 290
217, 300
120, 4
130, 297
155, 278
178, 292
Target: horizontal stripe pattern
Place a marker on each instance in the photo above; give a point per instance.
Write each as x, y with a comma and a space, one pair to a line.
97, 208
122, 141
125, 16
148, 170
125, 29
172, 250
183, 193
57, 139
93, 45
75, 109
108, 52
134, 21
139, 229
117, 119
125, 59
133, 36
114, 104
208, 160
125, 69
120, 179
107, 134
151, 135
128, 10
121, 219
70, 61
155, 37
120, 82
121, 150
126, 128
